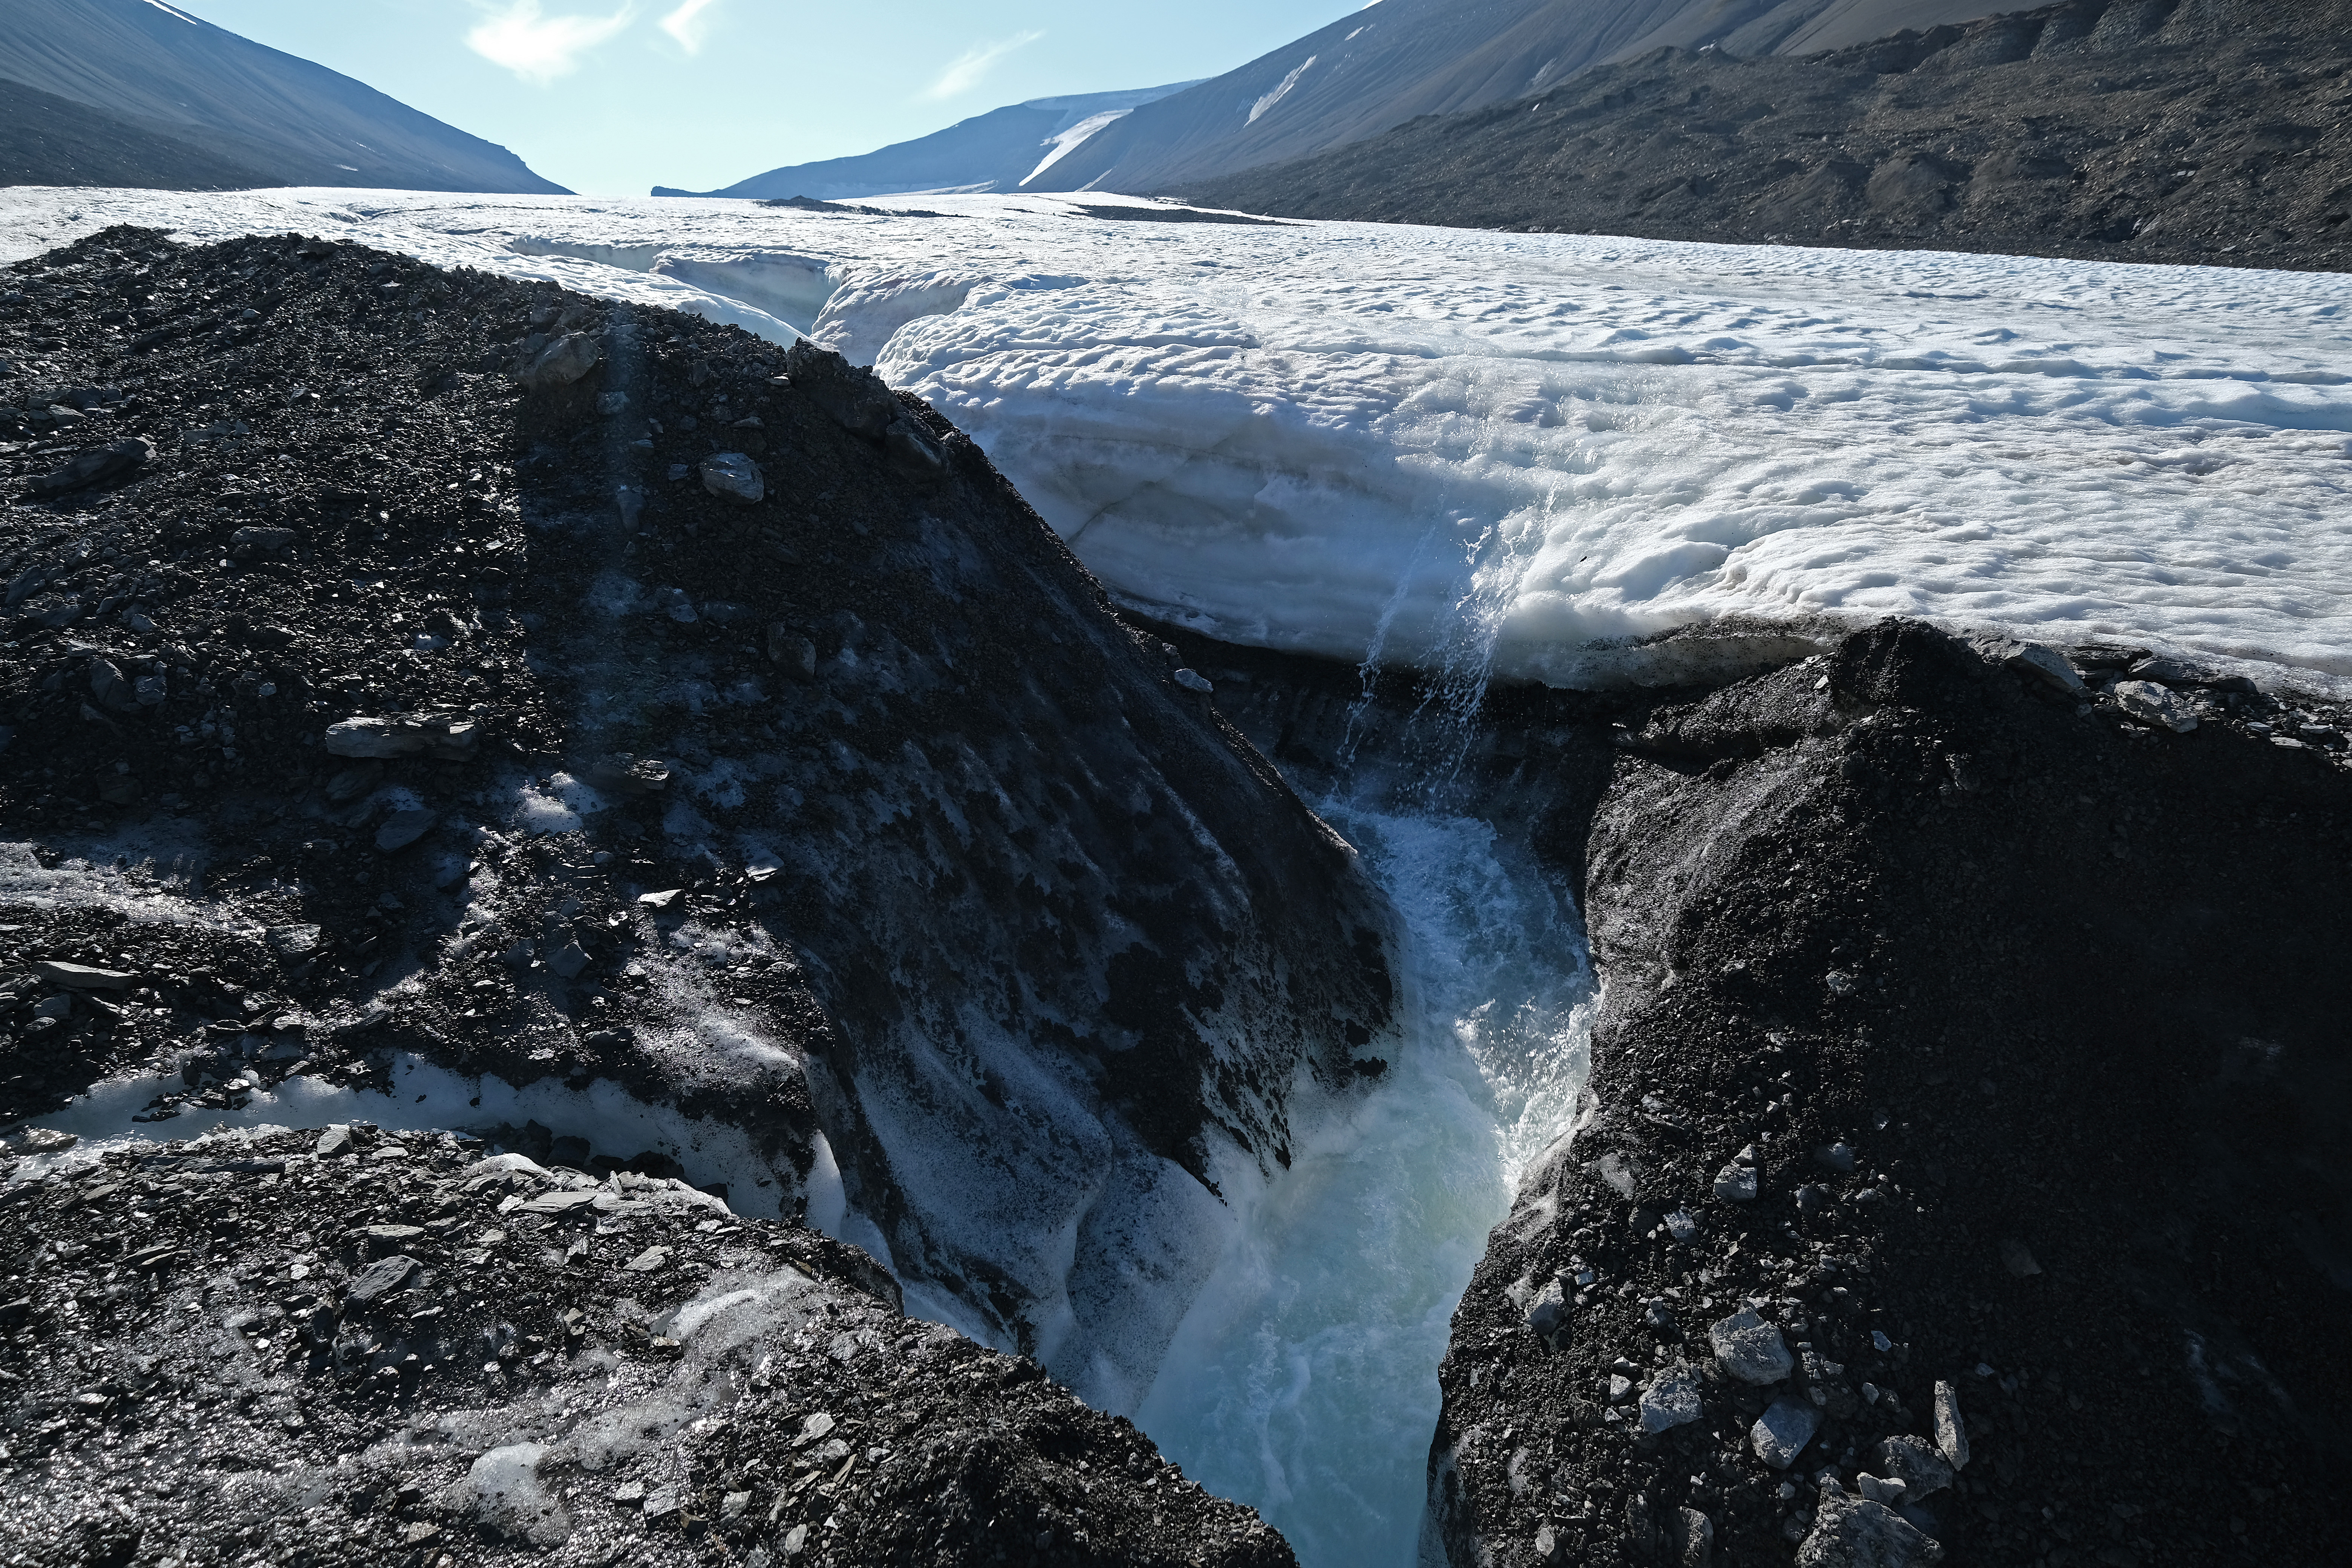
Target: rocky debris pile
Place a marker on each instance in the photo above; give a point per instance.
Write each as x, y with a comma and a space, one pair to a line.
2208, 132
342, 1346
1965, 1151
619, 701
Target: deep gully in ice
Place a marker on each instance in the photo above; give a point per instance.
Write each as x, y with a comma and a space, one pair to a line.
1304, 1379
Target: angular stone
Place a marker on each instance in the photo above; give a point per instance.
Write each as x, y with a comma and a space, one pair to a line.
914, 454
1691, 1535
631, 775
1671, 1401
1856, 1533
1951, 1432
2152, 704
568, 962
1910, 1460
1548, 1313
2017, 1259
561, 362
651, 1260
734, 477
446, 737
1749, 1349
2048, 666
334, 1143
403, 828
1781, 1432
383, 1278
82, 978
112, 461
1735, 1183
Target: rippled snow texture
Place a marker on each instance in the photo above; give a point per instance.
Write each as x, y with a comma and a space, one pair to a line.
1281, 434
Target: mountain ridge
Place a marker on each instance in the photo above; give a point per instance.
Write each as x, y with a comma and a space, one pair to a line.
169, 80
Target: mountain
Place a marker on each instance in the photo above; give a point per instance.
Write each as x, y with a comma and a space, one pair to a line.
998, 151
2207, 131
1400, 58
162, 99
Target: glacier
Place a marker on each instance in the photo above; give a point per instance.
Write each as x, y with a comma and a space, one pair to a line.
1297, 435
1491, 457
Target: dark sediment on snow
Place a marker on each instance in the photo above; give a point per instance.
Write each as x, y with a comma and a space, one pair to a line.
2207, 131
2021, 1019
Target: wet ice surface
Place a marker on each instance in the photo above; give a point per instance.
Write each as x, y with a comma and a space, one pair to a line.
1280, 435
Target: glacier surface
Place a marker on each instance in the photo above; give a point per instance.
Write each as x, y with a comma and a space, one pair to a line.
1310, 435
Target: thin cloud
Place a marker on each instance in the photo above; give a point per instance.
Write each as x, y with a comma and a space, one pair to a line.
687, 24
973, 64
538, 48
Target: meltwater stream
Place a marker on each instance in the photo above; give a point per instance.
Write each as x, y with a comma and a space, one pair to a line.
1304, 1380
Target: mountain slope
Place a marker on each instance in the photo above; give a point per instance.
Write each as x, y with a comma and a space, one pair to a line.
2217, 135
160, 73
993, 152
45, 139
1377, 68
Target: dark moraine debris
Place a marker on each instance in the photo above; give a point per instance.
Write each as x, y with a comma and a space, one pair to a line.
1969, 1111
319, 1348
844, 825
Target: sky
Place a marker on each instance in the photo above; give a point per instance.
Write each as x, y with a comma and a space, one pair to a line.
615, 97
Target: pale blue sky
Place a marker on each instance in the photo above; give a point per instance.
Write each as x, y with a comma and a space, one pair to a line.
612, 96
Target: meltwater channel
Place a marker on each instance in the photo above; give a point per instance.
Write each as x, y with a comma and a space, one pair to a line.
1304, 1380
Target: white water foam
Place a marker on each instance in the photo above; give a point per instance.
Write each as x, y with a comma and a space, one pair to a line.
1304, 1380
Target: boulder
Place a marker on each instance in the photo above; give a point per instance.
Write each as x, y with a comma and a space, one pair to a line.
1856, 1533
1749, 1349
561, 362
107, 463
734, 477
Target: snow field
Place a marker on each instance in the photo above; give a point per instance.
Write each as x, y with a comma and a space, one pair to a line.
1279, 434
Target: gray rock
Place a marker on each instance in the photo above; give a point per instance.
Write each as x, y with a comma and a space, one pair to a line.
1548, 1313
652, 1261
446, 737
383, 1277
1691, 1535
1910, 1460
1547, 1545
1749, 1349
82, 978
623, 773
1812, 1199
403, 828
1661, 1319
107, 684
292, 941
561, 362
1951, 1432
1735, 1183
2153, 704
1193, 681
1838, 1157
109, 462
2048, 666
914, 454
334, 1143
1856, 1533
1672, 1400
734, 477
795, 654
2017, 1259
1620, 1388
568, 962
1781, 1432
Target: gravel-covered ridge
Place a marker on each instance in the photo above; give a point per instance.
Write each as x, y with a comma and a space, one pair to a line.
1974, 1028
339, 1346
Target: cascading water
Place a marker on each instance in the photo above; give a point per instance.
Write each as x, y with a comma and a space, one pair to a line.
1304, 1380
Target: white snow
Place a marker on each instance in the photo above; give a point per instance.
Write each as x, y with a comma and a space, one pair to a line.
1064, 142
1282, 91
1295, 435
